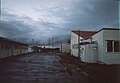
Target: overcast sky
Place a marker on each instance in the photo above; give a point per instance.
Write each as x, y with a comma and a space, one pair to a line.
41, 19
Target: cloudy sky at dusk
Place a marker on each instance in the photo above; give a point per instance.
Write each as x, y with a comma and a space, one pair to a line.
43, 19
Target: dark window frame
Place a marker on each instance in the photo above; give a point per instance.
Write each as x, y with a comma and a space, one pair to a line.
109, 45
113, 46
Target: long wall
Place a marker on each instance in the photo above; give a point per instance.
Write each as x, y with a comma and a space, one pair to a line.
9, 48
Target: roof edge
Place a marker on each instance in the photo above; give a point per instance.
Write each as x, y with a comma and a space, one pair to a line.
10, 40
108, 29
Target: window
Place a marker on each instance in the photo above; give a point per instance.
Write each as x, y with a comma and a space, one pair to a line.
116, 46
109, 46
113, 46
2, 45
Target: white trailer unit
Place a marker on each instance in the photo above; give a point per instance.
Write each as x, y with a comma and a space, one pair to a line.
89, 53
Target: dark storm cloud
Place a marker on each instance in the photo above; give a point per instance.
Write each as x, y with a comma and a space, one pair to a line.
13, 30
100, 13
58, 19
86, 14
12, 26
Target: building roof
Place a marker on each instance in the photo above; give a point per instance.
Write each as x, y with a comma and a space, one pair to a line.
11, 41
85, 33
65, 43
91, 33
108, 29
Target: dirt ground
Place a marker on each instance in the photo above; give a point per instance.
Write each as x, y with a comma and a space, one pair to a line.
99, 73
39, 68
55, 68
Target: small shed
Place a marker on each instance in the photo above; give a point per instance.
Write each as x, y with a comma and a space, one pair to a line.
65, 47
89, 53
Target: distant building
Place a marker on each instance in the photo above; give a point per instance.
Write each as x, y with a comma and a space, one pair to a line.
30, 50
64, 47
11, 48
46, 46
36, 49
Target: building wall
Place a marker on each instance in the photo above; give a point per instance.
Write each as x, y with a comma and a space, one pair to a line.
11, 49
9, 52
3, 53
103, 55
89, 53
110, 57
3, 50
73, 41
65, 47
29, 49
99, 39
